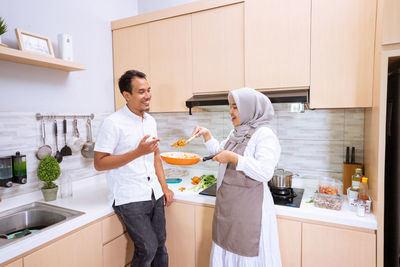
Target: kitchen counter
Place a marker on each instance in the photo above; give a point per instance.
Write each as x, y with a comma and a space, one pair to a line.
345, 216
90, 196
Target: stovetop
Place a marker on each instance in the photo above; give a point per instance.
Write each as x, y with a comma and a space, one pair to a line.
292, 200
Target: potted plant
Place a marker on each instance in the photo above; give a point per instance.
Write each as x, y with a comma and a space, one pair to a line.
3, 27
48, 171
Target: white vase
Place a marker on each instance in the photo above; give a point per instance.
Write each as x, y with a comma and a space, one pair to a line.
0, 39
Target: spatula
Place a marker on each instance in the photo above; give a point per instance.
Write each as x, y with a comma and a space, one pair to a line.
66, 150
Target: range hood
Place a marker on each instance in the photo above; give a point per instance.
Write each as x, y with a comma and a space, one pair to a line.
277, 96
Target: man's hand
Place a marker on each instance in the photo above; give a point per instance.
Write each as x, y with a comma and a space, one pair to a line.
226, 156
145, 148
168, 196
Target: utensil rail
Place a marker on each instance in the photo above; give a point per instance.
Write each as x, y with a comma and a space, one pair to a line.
40, 116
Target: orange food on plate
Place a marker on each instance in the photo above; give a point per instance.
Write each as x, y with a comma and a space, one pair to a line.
182, 188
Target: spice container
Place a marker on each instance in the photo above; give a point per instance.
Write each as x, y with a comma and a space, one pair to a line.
326, 201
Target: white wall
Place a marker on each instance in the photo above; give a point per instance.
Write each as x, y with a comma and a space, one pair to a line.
145, 6
35, 89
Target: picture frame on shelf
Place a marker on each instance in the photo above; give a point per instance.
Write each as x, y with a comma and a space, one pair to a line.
34, 43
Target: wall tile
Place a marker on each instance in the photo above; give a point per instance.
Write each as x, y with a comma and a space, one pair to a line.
313, 143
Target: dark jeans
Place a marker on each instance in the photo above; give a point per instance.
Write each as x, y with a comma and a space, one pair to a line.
145, 223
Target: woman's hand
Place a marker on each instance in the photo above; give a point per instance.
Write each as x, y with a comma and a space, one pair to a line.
202, 131
226, 156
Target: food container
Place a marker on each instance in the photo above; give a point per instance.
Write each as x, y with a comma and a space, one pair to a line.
180, 158
333, 202
329, 186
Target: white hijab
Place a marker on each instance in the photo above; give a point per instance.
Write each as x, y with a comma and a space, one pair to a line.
255, 110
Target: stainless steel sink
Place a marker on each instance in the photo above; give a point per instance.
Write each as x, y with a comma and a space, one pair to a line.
19, 223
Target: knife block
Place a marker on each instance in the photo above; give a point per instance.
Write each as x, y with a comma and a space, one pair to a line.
348, 170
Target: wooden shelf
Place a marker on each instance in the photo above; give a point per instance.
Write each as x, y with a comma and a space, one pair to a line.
35, 59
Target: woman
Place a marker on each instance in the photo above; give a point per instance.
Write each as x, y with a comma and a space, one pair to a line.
244, 225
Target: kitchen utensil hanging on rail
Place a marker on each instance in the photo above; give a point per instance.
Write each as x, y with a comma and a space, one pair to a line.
58, 155
66, 150
87, 149
75, 142
44, 150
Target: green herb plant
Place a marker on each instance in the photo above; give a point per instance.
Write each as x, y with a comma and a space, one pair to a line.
48, 171
3, 26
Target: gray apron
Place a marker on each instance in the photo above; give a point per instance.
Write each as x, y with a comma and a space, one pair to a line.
238, 210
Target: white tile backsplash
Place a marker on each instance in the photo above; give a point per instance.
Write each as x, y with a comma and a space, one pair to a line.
313, 143
20, 131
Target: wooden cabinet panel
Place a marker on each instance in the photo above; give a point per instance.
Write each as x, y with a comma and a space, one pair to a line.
171, 63
118, 252
277, 43
203, 222
342, 53
130, 51
290, 242
391, 22
81, 249
180, 234
112, 227
17, 263
218, 49
328, 246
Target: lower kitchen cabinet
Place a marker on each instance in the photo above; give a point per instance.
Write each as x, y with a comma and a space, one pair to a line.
118, 252
290, 242
112, 228
203, 223
80, 249
330, 246
17, 263
180, 234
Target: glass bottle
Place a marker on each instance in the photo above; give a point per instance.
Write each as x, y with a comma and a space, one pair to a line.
66, 185
363, 192
356, 180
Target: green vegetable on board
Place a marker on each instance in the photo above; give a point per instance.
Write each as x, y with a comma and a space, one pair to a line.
205, 182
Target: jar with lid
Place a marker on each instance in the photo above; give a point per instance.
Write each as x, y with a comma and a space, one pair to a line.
363, 191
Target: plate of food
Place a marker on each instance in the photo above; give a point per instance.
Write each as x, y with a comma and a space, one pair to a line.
180, 158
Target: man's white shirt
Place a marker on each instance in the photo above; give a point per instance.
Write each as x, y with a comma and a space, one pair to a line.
121, 132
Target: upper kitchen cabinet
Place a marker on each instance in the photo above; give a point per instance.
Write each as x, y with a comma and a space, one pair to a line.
277, 43
170, 63
342, 53
391, 22
131, 51
218, 60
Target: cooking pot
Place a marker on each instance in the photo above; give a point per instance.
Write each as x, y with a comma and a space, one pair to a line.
281, 179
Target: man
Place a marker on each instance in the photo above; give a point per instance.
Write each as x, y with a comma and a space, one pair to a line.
127, 147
